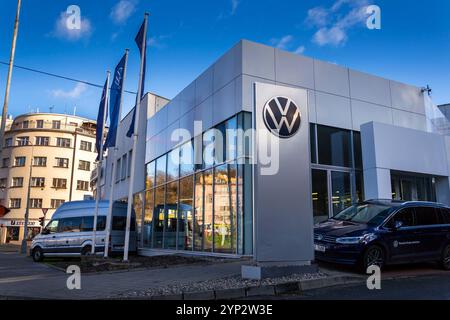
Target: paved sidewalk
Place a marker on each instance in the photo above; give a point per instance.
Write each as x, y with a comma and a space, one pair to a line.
21, 277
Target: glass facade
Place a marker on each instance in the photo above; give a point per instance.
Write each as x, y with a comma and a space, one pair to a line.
203, 205
411, 187
337, 178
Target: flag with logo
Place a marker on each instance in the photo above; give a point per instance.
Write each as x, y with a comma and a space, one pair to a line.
102, 108
141, 41
115, 100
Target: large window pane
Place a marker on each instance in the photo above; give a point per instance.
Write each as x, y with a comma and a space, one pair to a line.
225, 209
185, 209
208, 210
138, 209
150, 176
334, 146
244, 137
173, 164
148, 218
357, 149
312, 140
209, 152
186, 159
158, 217
341, 192
320, 195
161, 170
198, 223
359, 192
171, 216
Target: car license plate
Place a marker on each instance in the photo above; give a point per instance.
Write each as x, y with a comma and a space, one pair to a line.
318, 247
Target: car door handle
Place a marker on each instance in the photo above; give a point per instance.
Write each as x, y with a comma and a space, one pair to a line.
54, 237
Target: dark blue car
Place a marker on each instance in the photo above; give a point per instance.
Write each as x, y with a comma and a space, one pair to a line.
380, 232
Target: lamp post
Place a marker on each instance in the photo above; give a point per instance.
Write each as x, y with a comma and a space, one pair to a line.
23, 247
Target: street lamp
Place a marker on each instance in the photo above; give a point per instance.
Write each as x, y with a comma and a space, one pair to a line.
23, 247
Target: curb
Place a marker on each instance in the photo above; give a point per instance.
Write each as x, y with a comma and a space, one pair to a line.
266, 290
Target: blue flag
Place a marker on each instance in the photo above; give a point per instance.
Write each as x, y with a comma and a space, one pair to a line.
114, 103
141, 43
102, 108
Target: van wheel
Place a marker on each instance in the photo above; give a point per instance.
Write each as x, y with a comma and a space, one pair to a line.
86, 251
37, 254
373, 256
445, 261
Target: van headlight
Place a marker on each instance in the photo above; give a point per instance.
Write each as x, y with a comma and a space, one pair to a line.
356, 240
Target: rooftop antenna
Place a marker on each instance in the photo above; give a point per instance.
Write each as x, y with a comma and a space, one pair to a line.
51, 109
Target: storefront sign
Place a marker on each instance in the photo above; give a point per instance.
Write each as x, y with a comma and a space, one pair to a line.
18, 223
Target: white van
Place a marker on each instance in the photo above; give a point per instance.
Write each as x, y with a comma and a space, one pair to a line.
70, 231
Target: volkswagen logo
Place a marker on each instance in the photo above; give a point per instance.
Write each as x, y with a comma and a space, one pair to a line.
320, 237
282, 117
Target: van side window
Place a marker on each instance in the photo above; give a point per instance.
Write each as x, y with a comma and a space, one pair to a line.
406, 216
426, 216
88, 222
52, 226
71, 224
119, 223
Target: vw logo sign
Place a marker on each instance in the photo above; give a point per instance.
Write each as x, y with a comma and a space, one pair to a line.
320, 237
282, 117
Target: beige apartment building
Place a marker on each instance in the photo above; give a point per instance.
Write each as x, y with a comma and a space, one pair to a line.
59, 152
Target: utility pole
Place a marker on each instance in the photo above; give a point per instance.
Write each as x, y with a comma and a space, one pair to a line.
23, 247
8, 79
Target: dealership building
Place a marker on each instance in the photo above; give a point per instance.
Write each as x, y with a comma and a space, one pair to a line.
324, 136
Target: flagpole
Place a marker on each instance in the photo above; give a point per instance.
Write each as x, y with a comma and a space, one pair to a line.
113, 174
100, 162
135, 141
8, 79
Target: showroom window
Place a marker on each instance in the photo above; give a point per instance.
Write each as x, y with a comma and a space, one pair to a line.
201, 207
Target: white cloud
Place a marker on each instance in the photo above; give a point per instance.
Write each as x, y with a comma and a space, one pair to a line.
123, 10
234, 6
74, 93
61, 31
300, 50
158, 42
282, 43
333, 23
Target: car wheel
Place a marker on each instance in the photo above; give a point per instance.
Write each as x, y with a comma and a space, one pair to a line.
373, 256
37, 254
445, 261
86, 251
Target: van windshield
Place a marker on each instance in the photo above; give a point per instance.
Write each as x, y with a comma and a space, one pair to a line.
367, 213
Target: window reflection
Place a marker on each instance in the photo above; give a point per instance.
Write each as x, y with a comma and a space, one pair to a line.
171, 216
161, 170
320, 195
208, 210
341, 192
198, 224
334, 146
158, 217
185, 225
182, 211
225, 208
173, 164
148, 218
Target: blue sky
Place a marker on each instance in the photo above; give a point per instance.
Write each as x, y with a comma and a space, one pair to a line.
413, 45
